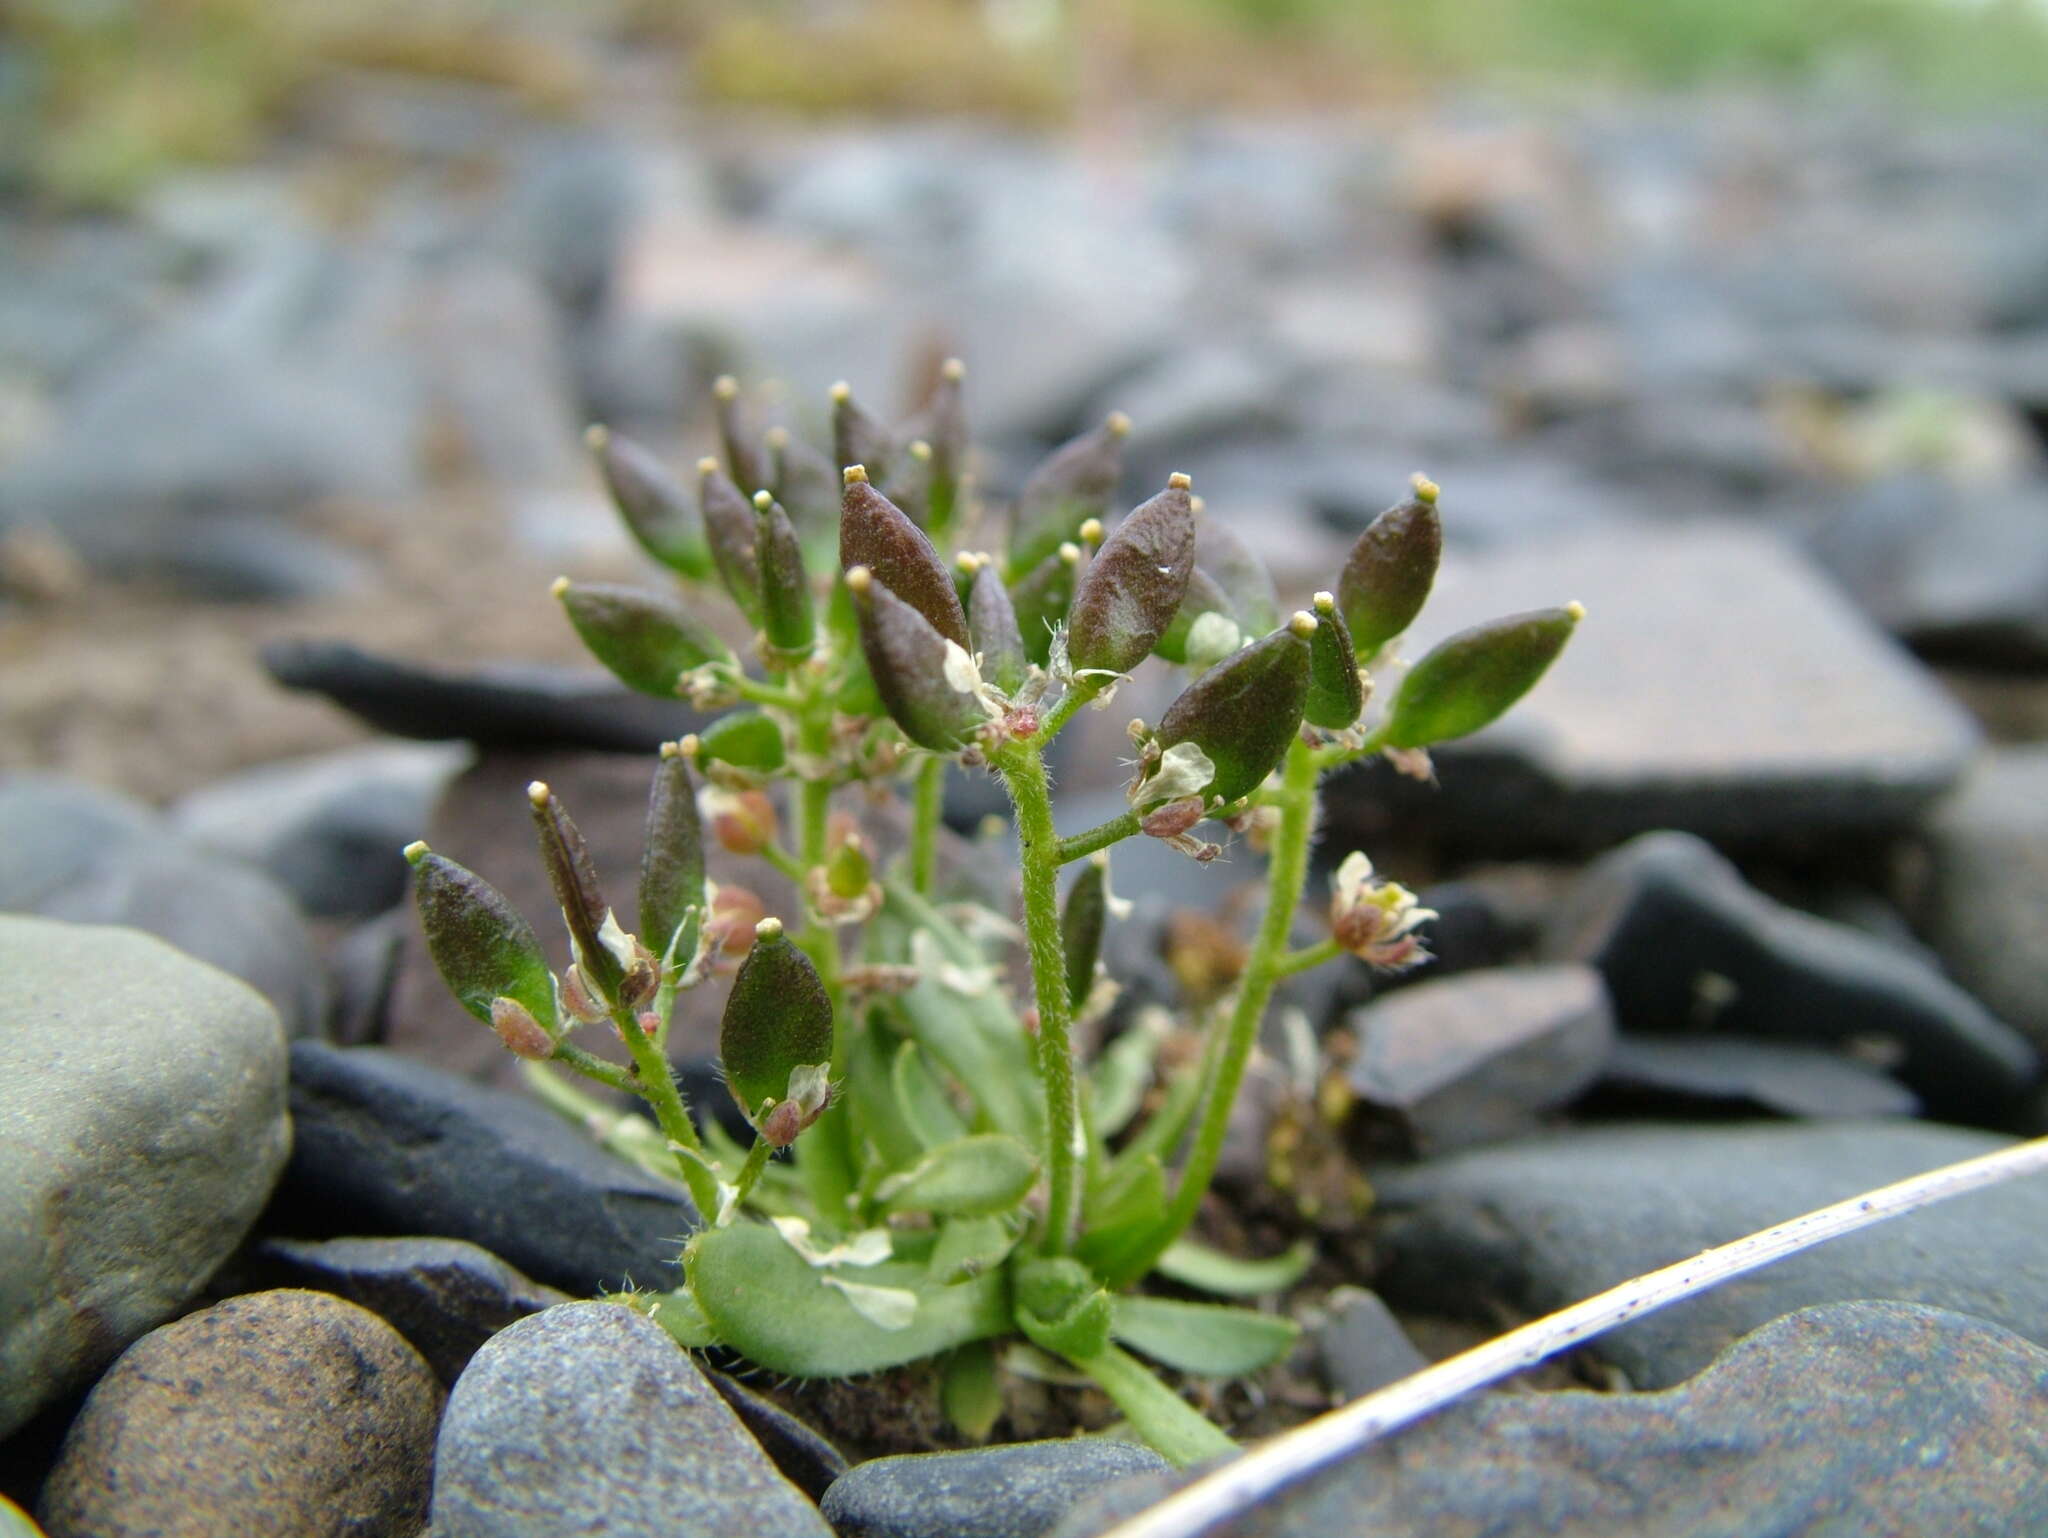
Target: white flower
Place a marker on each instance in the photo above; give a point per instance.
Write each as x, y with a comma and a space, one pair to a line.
1376, 920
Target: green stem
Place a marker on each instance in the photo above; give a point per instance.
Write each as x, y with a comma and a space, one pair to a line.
785, 862
1306, 958
1115, 831
751, 1171
591, 1066
754, 692
924, 824
1156, 1412
825, 1159
654, 1082
1023, 771
1285, 877
1079, 693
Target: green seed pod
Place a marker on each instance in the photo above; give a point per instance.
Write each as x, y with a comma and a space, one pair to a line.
909, 662
802, 480
786, 617
746, 739
1336, 694
1071, 486
672, 863
1254, 603
1390, 570
482, 947
992, 622
778, 1019
1472, 677
648, 640
1203, 597
651, 503
1244, 711
730, 528
1131, 591
942, 427
1081, 924
910, 484
740, 443
1061, 1307
858, 437
1042, 598
574, 878
875, 533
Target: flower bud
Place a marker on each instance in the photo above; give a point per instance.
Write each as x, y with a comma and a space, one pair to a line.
522, 1035
648, 640
579, 1000
875, 533
1133, 588
734, 912
1469, 679
651, 504
742, 821
1390, 570
1170, 819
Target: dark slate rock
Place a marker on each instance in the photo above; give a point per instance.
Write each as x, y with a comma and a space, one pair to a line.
71, 852
1854, 1420
1959, 574
806, 1458
1361, 1345
589, 1418
386, 1145
1685, 944
287, 1413
1717, 685
1745, 1074
1018, 1491
447, 1297
507, 705
1989, 888
1477, 1057
1543, 1223
142, 1125
328, 829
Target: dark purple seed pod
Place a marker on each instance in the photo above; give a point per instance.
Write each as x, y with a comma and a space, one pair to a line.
859, 437
1244, 711
1471, 678
1072, 485
909, 661
737, 437
651, 503
731, 529
1133, 588
802, 479
648, 640
875, 533
992, 622
777, 1019
482, 946
672, 863
1082, 922
1336, 694
1390, 570
1203, 597
786, 616
1254, 603
573, 876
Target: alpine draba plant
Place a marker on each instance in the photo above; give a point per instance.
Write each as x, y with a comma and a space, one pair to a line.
953, 1175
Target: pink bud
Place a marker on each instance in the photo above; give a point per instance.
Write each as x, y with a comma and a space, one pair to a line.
522, 1035
1173, 819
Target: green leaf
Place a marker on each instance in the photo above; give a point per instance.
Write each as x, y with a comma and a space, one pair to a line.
777, 1019
871, 1097
1336, 694
730, 528
1081, 925
771, 1305
875, 533
1156, 1412
1468, 680
992, 622
921, 1102
1130, 592
1120, 1214
1244, 711
1118, 1077
908, 660
1061, 1307
1073, 484
746, 739
648, 640
672, 861
1390, 570
481, 945
652, 504
786, 617
1196, 1265
971, 1391
971, 1177
969, 1247
678, 1313
1209, 1339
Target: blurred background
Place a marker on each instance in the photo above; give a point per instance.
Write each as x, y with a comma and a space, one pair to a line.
304, 304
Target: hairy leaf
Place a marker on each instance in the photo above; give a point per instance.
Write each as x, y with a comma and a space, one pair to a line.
1209, 1339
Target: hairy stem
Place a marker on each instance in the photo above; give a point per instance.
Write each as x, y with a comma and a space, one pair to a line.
1101, 836
826, 1159
924, 824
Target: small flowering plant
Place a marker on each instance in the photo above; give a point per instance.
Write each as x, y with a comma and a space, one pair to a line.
934, 1171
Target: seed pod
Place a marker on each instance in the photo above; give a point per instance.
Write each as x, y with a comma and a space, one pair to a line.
1203, 597
778, 1019
1042, 598
730, 528
1469, 679
736, 437
1336, 694
651, 503
1390, 570
1081, 924
1254, 603
1244, 711
746, 739
942, 427
574, 878
482, 947
875, 533
802, 479
859, 438
1071, 486
909, 662
672, 863
648, 640
910, 483
1133, 588
992, 623
786, 617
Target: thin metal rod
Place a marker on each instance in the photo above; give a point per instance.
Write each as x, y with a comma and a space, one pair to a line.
1238, 1486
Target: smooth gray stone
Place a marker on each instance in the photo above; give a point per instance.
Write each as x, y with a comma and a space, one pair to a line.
1747, 1072
588, 1418
1362, 1345
1851, 1420
142, 1125
1018, 1491
1478, 1057
1989, 890
807, 1459
1542, 1223
1718, 684
291, 1414
1687, 946
387, 1145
